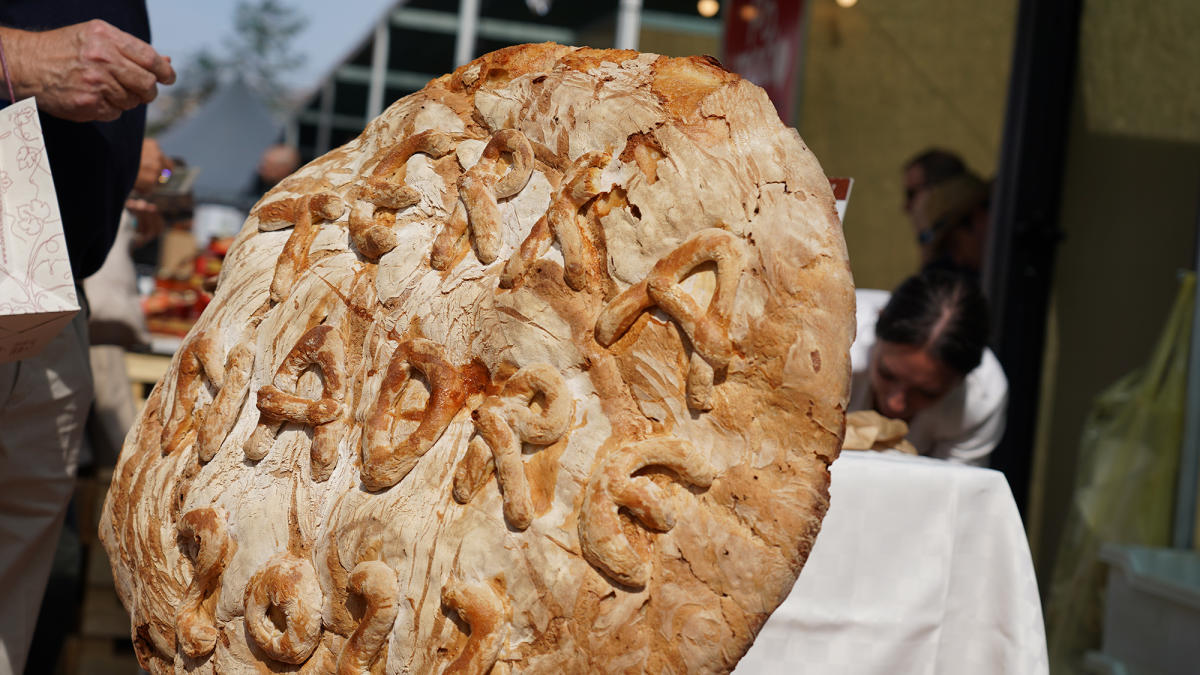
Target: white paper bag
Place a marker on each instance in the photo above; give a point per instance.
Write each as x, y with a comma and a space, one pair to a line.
37, 292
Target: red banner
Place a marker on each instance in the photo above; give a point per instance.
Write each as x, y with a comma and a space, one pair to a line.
841, 195
762, 43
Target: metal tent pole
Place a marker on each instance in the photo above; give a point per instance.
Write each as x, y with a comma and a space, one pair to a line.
1024, 231
379, 63
325, 121
629, 24
468, 26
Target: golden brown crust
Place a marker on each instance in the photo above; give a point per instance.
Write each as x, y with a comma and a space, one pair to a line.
283, 609
210, 547
488, 615
321, 347
448, 247
276, 215
283, 213
498, 67
503, 423
384, 192
376, 583
198, 359
683, 84
478, 189
614, 487
383, 464
561, 222
481, 186
708, 331
219, 418
612, 280
306, 215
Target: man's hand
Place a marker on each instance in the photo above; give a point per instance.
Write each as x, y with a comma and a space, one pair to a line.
149, 218
84, 72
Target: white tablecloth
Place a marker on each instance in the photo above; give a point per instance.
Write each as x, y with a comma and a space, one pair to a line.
921, 567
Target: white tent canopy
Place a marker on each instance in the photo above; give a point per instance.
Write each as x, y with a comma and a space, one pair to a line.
224, 138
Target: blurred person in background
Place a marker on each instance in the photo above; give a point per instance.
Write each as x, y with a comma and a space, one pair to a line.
276, 163
951, 221
117, 322
168, 206
216, 221
921, 356
928, 168
91, 69
116, 313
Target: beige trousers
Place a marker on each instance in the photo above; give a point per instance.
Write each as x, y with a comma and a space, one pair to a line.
43, 406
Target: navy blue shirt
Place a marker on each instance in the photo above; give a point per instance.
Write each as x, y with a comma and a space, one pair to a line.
94, 163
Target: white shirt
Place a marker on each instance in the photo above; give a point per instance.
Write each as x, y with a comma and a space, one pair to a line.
964, 425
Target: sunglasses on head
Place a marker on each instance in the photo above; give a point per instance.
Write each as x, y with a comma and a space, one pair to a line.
927, 235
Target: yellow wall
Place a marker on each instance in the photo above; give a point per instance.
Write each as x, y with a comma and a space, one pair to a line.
677, 44
1129, 210
1138, 68
1129, 219
882, 81
886, 79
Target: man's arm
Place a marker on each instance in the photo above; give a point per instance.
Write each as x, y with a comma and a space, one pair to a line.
84, 72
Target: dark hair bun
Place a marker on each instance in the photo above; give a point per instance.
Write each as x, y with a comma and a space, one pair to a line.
942, 312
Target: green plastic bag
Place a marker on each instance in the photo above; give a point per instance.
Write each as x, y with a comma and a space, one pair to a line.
1125, 490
